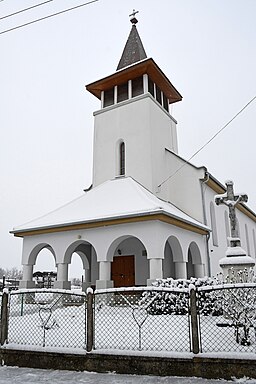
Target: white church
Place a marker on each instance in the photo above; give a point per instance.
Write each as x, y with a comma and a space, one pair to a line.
149, 213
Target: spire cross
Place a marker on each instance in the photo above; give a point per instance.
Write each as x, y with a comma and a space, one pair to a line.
231, 200
133, 19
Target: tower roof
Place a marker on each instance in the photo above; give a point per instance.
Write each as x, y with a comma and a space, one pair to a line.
133, 50
135, 70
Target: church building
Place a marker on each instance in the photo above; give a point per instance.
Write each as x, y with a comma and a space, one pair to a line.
150, 213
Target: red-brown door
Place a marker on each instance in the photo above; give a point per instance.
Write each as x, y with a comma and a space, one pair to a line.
123, 271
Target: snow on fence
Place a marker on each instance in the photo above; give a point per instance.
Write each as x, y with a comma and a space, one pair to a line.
47, 318
218, 318
138, 320
227, 318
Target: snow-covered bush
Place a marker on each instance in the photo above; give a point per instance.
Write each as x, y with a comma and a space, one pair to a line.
177, 302
233, 302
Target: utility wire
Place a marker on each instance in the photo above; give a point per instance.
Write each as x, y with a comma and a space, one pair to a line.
208, 142
25, 9
47, 17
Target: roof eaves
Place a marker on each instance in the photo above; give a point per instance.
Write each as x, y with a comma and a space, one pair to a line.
110, 218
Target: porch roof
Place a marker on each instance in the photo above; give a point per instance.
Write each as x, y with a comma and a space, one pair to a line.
114, 199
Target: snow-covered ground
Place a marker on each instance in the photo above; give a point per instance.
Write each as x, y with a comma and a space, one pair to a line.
10, 375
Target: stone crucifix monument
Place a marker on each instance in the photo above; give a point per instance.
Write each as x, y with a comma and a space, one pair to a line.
236, 258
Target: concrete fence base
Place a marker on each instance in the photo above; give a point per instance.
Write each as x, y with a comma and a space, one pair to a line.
195, 366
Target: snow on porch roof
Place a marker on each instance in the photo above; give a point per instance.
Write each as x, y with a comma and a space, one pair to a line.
119, 198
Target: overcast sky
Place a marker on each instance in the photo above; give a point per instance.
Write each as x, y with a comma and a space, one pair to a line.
205, 47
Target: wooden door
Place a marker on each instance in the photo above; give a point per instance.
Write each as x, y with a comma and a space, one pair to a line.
123, 271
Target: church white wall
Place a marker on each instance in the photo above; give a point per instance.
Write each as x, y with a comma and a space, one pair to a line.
183, 189
146, 128
216, 252
105, 241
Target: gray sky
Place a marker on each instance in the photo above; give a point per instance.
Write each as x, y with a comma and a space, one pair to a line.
205, 47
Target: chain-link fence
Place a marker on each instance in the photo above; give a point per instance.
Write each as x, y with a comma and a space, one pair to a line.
139, 319
218, 318
47, 318
227, 318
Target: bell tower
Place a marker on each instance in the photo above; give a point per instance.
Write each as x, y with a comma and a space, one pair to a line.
133, 127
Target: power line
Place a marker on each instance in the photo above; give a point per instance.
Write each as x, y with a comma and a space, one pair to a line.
25, 9
208, 142
47, 17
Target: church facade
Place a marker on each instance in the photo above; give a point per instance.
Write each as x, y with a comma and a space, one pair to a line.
149, 213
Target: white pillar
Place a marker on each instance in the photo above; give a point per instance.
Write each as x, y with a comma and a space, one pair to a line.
27, 277
129, 89
145, 83
155, 270
102, 99
28, 272
104, 275
62, 271
115, 94
199, 270
180, 270
62, 277
87, 275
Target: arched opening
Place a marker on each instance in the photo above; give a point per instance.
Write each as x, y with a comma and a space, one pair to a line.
129, 263
174, 264
195, 268
42, 258
82, 260
190, 266
75, 271
168, 263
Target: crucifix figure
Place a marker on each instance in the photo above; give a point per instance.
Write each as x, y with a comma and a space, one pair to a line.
133, 19
231, 200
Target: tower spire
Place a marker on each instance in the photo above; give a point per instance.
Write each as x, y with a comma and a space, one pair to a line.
133, 50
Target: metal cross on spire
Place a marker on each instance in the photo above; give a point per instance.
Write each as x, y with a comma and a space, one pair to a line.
231, 200
133, 19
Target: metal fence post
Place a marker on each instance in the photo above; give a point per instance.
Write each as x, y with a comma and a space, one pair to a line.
4, 318
89, 333
194, 321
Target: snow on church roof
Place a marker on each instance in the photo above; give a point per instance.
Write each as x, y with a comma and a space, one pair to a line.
119, 198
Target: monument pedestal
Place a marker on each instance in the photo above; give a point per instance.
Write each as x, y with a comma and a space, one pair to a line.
236, 260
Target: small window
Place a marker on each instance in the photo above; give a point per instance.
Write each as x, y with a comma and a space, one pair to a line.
213, 225
137, 86
254, 241
122, 92
158, 95
165, 102
108, 97
247, 240
122, 158
151, 87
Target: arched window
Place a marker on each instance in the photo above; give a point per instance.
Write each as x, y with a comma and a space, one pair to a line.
213, 224
247, 240
122, 158
254, 241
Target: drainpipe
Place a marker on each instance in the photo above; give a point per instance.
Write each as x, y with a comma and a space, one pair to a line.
204, 181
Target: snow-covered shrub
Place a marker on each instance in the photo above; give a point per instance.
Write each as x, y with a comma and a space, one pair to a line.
234, 303
177, 301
